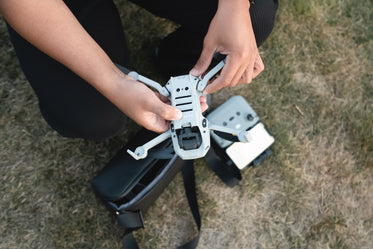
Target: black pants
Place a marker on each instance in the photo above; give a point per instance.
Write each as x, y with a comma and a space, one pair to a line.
73, 107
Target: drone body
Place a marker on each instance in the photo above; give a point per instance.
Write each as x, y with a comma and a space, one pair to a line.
191, 134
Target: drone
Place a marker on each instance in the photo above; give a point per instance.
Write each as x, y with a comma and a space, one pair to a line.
191, 134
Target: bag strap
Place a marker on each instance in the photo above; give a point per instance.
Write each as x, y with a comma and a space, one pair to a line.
132, 221
190, 191
129, 242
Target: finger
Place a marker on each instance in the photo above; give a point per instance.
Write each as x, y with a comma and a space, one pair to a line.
228, 72
160, 125
247, 76
167, 112
203, 102
202, 99
240, 76
258, 66
204, 61
163, 98
204, 107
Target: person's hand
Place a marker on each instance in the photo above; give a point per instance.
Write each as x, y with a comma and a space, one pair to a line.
146, 107
231, 33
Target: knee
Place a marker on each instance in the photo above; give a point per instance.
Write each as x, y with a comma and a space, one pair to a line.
96, 126
263, 15
101, 127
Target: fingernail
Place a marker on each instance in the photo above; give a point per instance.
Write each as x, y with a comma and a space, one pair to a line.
178, 115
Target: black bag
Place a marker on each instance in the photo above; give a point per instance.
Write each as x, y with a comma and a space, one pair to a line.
128, 187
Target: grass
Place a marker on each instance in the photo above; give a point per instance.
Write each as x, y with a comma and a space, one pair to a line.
315, 191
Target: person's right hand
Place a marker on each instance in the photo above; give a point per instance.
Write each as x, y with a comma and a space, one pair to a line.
146, 107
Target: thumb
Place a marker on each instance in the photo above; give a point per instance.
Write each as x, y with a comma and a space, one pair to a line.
168, 112
203, 62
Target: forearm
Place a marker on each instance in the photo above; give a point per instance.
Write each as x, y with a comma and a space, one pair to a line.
51, 27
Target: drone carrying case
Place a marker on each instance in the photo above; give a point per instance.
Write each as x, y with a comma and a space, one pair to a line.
128, 187
126, 183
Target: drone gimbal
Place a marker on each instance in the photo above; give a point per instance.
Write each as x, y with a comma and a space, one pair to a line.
191, 134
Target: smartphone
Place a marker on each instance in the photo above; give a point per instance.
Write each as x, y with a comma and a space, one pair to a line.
242, 154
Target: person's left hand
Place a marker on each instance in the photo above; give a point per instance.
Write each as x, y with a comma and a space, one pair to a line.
231, 33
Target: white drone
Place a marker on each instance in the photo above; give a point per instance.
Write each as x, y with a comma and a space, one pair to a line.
191, 134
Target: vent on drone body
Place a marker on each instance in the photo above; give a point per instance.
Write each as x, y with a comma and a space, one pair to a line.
184, 101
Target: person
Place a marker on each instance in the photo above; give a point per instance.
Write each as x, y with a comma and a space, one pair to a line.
68, 49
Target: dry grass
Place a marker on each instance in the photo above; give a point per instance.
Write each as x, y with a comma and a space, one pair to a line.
315, 191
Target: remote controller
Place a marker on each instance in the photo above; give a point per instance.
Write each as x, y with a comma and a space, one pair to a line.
236, 113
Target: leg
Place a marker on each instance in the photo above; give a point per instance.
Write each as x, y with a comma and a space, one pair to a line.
179, 51
263, 14
69, 104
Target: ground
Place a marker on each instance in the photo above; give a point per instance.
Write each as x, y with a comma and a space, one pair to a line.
315, 191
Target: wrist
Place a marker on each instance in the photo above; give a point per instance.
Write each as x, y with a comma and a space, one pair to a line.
109, 81
234, 7
237, 4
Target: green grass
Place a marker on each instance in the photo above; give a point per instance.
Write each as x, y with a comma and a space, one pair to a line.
315, 191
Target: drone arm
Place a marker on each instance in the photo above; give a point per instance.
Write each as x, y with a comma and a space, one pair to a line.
203, 83
142, 151
240, 135
149, 82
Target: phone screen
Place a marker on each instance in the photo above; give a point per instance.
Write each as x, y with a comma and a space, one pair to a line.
242, 154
